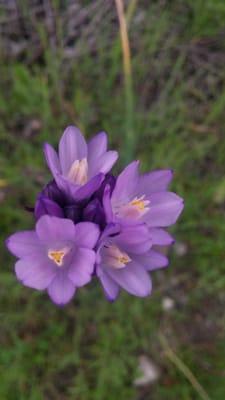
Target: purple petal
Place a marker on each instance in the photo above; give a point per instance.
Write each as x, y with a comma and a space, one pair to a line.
35, 272
82, 267
126, 184
86, 234
61, 289
89, 188
103, 163
52, 160
156, 181
24, 243
110, 181
134, 239
69, 188
97, 146
53, 229
72, 146
165, 208
133, 278
110, 287
107, 204
46, 206
54, 166
161, 237
152, 260
110, 230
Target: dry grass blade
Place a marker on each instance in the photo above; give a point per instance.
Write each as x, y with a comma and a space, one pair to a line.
183, 368
124, 37
128, 86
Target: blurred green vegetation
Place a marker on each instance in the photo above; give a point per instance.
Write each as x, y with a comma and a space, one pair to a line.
90, 349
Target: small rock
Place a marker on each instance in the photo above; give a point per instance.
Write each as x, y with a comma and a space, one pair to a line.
167, 304
180, 249
32, 127
149, 372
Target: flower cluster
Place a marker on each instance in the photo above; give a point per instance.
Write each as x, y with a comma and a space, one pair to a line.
90, 223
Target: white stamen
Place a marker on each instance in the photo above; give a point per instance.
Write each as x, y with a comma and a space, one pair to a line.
78, 172
134, 209
115, 258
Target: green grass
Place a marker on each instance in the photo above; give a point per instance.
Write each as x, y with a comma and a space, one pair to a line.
89, 350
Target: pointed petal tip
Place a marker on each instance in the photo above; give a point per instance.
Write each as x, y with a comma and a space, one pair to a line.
145, 293
181, 202
45, 144
71, 127
59, 304
110, 299
170, 173
72, 130
114, 154
46, 148
102, 134
136, 162
7, 241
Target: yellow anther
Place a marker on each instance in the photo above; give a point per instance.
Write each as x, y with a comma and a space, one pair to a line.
140, 204
57, 256
116, 258
125, 259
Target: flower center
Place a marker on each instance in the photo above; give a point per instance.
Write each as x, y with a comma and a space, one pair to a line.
57, 256
140, 203
134, 209
115, 258
78, 172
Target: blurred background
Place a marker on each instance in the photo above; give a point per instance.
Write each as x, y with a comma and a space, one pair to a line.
61, 63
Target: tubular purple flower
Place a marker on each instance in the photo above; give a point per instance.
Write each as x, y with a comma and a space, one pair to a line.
80, 167
119, 263
58, 256
143, 198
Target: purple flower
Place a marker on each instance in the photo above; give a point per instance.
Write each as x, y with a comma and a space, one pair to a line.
123, 260
141, 206
80, 167
144, 198
57, 256
92, 223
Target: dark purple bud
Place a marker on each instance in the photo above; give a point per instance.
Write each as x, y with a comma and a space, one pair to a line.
47, 206
52, 191
110, 181
73, 212
94, 212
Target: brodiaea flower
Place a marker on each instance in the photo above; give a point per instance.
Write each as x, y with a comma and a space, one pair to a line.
80, 167
57, 256
144, 198
90, 222
124, 259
